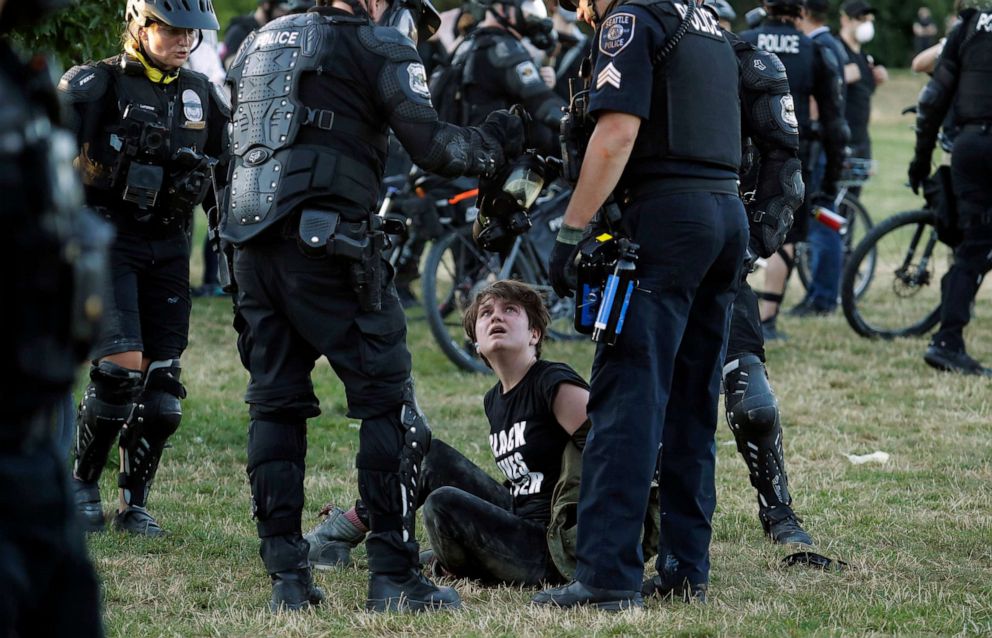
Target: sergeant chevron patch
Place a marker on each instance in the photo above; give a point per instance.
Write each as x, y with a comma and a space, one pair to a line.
609, 75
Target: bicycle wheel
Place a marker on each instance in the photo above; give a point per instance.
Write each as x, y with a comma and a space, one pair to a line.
560, 309
909, 263
859, 224
455, 271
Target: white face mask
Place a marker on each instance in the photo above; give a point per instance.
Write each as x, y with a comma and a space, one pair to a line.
865, 32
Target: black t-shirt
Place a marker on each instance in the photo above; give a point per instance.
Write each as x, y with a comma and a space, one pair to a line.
858, 110
526, 439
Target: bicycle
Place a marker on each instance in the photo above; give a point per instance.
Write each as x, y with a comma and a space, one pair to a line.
857, 171
456, 269
910, 261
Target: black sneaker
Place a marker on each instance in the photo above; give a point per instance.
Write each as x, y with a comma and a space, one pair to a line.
137, 520
409, 592
783, 527
294, 591
333, 539
686, 592
809, 308
954, 361
88, 505
575, 594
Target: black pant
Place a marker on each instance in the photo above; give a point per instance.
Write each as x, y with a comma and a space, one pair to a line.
148, 304
971, 165
745, 326
47, 584
659, 384
292, 310
472, 530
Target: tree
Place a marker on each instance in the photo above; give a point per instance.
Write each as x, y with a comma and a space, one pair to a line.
88, 30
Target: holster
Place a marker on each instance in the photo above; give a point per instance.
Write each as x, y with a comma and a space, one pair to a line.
323, 232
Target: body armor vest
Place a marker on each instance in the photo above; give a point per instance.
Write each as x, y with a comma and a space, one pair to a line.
695, 96
272, 173
795, 51
974, 94
151, 126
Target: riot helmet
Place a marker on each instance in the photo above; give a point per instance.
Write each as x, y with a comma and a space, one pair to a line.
412, 18
181, 14
529, 18
15, 15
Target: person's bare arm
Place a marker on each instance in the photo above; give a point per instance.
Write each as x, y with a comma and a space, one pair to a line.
570, 407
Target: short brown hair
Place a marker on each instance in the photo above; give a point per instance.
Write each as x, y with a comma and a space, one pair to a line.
516, 292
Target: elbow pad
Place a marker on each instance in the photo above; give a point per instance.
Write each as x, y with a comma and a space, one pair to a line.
768, 107
780, 193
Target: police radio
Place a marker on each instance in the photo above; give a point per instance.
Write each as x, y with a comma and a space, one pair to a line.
576, 126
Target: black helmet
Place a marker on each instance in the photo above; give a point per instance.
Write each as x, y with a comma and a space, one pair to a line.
182, 14
529, 18
15, 15
723, 9
786, 7
416, 19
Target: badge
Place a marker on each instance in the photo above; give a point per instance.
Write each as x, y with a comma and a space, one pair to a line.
527, 72
609, 75
418, 80
617, 33
192, 106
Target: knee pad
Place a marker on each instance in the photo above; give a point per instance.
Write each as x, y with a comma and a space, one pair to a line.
156, 416
103, 411
276, 466
752, 410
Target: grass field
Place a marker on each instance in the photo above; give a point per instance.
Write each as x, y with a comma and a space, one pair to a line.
916, 531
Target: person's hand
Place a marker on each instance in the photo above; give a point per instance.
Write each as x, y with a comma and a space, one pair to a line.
549, 76
561, 265
919, 171
508, 130
880, 73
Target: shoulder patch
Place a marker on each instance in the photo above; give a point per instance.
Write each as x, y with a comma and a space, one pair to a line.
528, 73
412, 79
617, 33
84, 83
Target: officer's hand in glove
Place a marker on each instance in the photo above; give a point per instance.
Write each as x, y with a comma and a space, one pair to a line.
507, 129
919, 171
561, 266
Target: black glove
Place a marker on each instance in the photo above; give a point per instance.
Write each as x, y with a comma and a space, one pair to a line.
561, 266
919, 171
507, 129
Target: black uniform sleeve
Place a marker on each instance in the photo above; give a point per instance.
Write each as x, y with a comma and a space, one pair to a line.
83, 88
435, 146
938, 94
521, 81
625, 46
828, 90
768, 118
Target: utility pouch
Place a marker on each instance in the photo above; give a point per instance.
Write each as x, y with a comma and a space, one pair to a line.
144, 181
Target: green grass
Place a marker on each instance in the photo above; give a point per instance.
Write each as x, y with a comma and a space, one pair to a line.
916, 531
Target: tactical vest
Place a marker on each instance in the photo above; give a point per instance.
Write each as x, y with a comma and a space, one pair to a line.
272, 172
181, 111
695, 102
795, 51
974, 95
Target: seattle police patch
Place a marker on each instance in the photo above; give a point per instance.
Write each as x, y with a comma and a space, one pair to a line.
418, 79
617, 33
528, 73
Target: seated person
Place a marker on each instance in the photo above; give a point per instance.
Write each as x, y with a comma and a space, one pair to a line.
477, 527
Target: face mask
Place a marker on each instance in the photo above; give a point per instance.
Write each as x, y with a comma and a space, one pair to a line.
865, 32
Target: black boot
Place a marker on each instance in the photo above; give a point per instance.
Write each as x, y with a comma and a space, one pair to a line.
137, 520
575, 594
686, 592
783, 526
88, 505
410, 591
294, 590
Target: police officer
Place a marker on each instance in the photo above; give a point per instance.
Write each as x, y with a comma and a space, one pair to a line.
54, 258
498, 71
673, 167
240, 26
770, 128
961, 79
314, 95
813, 70
148, 133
